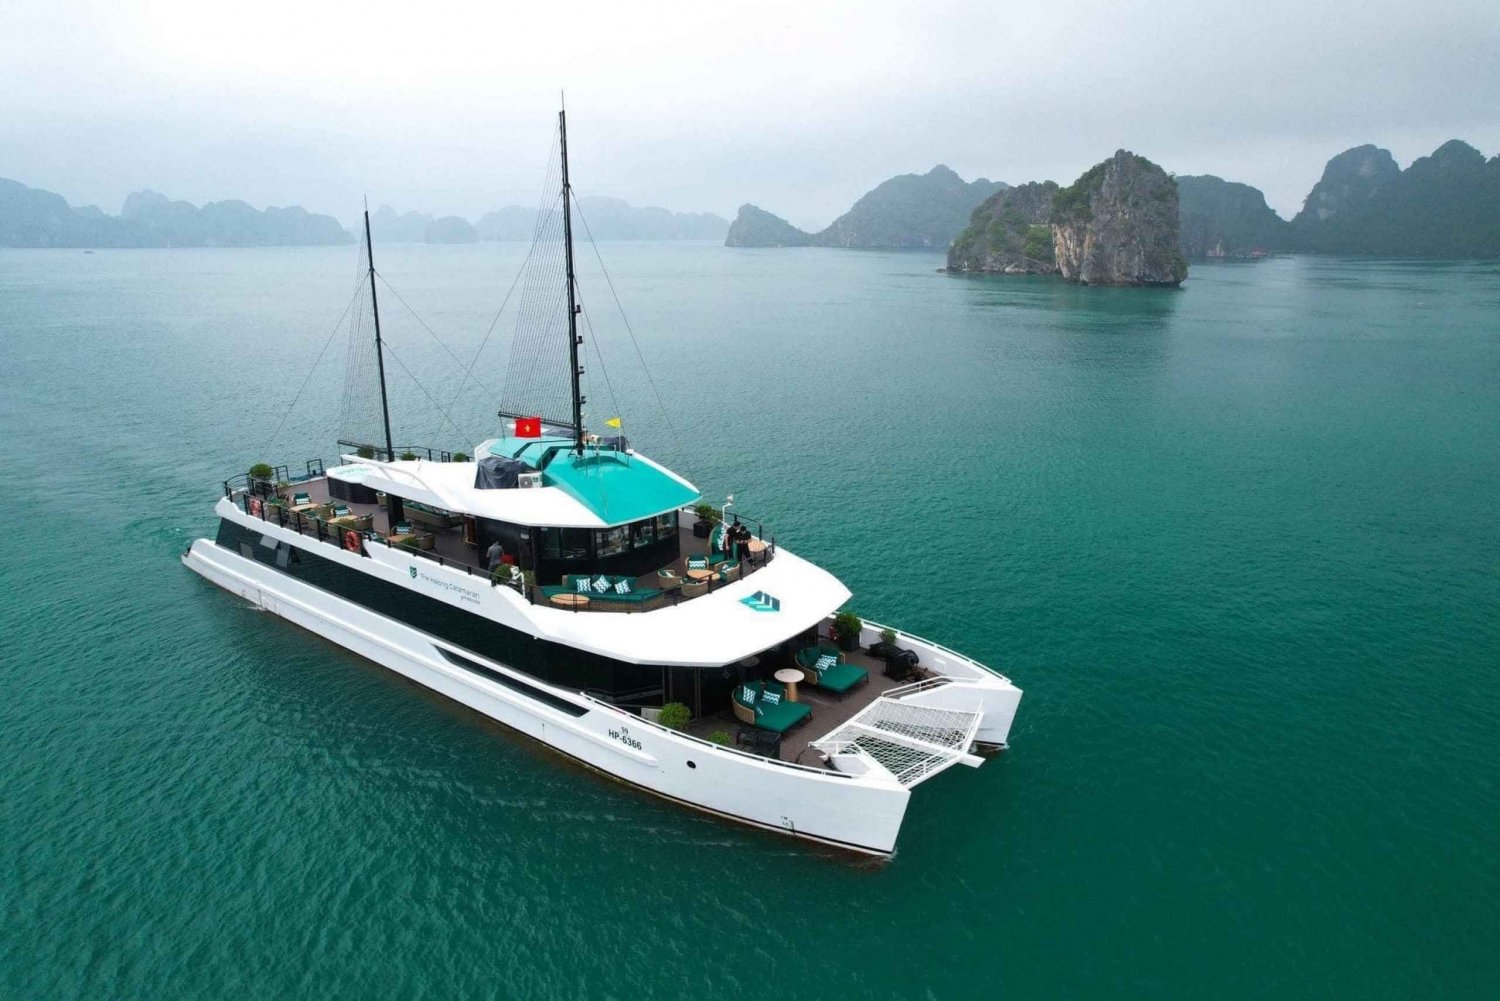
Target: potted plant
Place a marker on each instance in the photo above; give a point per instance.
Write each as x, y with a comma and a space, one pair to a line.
720, 737
365, 452
260, 479
408, 456
707, 516
846, 629
675, 716
460, 457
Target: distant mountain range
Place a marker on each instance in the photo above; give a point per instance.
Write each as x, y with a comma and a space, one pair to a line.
605, 219
906, 212
1443, 205
1446, 204
31, 217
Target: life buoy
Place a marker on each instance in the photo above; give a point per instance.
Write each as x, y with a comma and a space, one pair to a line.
351, 541
256, 507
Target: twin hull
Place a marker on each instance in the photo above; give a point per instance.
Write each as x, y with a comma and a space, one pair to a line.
862, 813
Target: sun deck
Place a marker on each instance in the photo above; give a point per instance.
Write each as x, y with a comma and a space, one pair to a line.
829, 712
447, 538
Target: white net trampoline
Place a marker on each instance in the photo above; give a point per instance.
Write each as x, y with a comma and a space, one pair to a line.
911, 742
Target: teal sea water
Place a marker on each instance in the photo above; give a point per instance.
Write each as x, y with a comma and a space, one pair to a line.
1238, 544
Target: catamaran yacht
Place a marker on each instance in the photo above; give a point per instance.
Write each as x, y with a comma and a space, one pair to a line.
564, 584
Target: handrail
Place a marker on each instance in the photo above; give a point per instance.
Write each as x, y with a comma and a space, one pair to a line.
716, 747
916, 686
432, 454
939, 647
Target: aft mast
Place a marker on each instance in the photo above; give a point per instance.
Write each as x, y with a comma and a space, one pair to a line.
574, 338
385, 406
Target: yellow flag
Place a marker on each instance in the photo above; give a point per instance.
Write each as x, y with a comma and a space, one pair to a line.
613, 422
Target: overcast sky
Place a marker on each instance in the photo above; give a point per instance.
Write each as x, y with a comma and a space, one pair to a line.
798, 107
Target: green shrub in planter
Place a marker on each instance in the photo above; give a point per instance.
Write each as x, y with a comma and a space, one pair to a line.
261, 471
408, 456
846, 627
706, 512
675, 716
888, 637
365, 452
460, 457
409, 542
720, 737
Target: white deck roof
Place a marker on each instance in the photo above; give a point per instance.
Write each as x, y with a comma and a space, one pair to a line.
713, 629
450, 487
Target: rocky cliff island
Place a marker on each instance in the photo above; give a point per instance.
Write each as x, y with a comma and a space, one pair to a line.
1009, 233
1115, 225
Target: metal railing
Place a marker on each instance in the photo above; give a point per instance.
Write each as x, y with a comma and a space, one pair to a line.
940, 649
936, 681
380, 452
325, 530
259, 497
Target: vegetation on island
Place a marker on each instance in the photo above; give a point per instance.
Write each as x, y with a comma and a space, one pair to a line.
1010, 231
1115, 225
1446, 204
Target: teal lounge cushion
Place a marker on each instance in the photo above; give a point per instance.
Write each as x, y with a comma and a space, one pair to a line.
808, 655
780, 718
841, 677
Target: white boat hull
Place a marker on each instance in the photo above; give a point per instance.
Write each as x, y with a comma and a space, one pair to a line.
862, 813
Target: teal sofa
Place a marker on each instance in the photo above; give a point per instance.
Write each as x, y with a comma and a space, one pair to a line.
636, 596
838, 679
766, 707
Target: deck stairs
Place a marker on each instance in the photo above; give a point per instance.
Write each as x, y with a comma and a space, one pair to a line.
912, 742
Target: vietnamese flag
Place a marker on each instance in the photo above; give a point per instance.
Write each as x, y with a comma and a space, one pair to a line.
528, 427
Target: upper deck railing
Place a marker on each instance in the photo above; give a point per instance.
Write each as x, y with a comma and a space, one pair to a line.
259, 497
366, 450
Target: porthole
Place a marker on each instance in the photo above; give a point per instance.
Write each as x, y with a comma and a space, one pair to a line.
691, 765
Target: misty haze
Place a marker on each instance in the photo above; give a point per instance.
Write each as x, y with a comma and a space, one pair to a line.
889, 500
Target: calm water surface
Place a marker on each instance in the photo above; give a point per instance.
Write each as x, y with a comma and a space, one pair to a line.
1237, 543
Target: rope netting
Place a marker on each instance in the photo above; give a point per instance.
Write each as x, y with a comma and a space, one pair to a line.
909, 741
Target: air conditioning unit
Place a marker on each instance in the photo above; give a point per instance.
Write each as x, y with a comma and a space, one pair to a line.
529, 481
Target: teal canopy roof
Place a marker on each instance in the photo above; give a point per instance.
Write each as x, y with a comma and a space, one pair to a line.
616, 486
531, 451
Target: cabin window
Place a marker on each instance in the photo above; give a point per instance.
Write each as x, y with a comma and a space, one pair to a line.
642, 533
612, 540
565, 543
